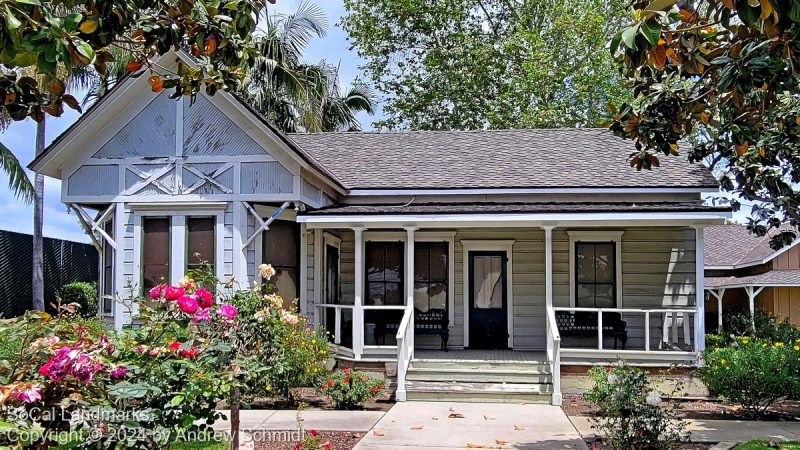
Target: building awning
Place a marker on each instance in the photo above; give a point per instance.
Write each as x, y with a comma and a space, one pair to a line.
774, 278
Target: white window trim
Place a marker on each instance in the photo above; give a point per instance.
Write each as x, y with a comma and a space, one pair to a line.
595, 236
489, 245
335, 242
177, 263
106, 247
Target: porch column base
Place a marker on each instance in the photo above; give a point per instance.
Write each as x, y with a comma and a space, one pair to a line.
400, 395
557, 399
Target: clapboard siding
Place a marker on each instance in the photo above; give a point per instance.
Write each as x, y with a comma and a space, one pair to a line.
658, 271
94, 180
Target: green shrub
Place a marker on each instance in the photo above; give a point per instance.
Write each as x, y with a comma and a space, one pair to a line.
753, 373
351, 389
630, 415
83, 293
767, 327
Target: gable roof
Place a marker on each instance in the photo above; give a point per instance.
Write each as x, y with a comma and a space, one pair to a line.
731, 246
532, 158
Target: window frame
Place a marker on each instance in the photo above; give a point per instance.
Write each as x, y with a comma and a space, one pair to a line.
446, 282
402, 275
171, 259
329, 240
595, 237
109, 227
187, 257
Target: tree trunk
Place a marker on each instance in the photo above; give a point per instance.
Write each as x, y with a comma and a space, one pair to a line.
38, 241
235, 419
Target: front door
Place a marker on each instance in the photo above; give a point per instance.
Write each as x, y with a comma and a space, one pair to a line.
488, 300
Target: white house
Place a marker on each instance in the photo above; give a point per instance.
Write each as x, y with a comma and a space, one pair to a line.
529, 248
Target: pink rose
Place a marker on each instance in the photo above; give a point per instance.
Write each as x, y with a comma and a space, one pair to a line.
30, 394
118, 372
188, 304
156, 292
173, 293
190, 352
201, 315
204, 298
227, 312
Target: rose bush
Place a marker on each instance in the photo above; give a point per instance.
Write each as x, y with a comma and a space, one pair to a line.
350, 389
630, 414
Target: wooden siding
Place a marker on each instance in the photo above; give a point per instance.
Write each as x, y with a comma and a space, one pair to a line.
658, 267
266, 178
94, 180
202, 136
790, 259
150, 134
783, 302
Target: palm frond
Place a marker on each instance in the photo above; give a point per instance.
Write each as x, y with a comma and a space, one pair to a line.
18, 180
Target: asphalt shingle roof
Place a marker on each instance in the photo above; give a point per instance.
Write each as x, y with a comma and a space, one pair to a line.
733, 245
511, 208
773, 277
535, 158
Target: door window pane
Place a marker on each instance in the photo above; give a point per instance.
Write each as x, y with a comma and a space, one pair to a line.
200, 242
107, 293
281, 248
155, 251
430, 275
384, 273
332, 274
488, 289
595, 275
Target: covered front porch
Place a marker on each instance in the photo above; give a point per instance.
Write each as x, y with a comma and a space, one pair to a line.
575, 290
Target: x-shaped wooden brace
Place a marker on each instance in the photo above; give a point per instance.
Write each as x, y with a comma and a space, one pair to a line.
210, 179
94, 227
263, 224
149, 178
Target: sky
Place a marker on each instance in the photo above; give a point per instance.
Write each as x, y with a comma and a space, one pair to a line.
16, 215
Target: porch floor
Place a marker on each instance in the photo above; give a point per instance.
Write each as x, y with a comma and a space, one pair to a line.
512, 356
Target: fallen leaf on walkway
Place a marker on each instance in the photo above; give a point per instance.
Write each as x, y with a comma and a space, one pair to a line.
485, 417
455, 416
417, 427
518, 428
434, 418
500, 442
451, 409
475, 446
377, 433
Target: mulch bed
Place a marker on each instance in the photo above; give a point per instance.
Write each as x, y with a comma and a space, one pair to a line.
338, 440
789, 410
308, 398
598, 444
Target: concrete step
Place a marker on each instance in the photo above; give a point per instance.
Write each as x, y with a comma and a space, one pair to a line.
478, 392
531, 376
534, 366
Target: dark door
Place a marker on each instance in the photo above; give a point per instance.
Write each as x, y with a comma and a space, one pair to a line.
488, 300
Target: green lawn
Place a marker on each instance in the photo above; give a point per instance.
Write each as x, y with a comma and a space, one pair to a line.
763, 445
200, 446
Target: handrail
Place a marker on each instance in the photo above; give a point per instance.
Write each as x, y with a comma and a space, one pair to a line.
333, 305
554, 354
624, 310
405, 351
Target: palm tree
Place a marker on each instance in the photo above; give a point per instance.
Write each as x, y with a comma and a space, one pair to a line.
293, 95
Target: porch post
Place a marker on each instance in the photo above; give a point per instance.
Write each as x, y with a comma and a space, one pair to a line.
358, 310
548, 265
700, 294
410, 281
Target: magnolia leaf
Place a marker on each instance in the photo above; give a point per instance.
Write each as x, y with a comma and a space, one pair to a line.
133, 66
659, 55
12, 23
71, 102
766, 9
85, 50
661, 5
652, 32
88, 26
629, 37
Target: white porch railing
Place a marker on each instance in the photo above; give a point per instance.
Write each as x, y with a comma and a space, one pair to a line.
671, 326
321, 309
405, 352
554, 354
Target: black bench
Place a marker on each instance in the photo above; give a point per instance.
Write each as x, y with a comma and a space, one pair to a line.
584, 324
433, 322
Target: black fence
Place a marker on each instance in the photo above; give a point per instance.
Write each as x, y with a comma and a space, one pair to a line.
64, 262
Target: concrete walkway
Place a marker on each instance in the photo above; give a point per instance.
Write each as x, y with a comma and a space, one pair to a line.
447, 425
720, 430
286, 420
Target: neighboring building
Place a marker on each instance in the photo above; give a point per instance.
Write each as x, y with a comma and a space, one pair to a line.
404, 244
743, 273
64, 262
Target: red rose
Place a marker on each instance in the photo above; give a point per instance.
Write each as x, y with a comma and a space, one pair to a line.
330, 383
174, 346
190, 352
608, 369
347, 380
204, 298
313, 433
372, 389
324, 387
347, 371
327, 445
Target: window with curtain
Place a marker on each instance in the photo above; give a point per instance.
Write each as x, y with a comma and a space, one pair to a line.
155, 251
595, 275
384, 273
200, 246
107, 280
281, 248
430, 275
